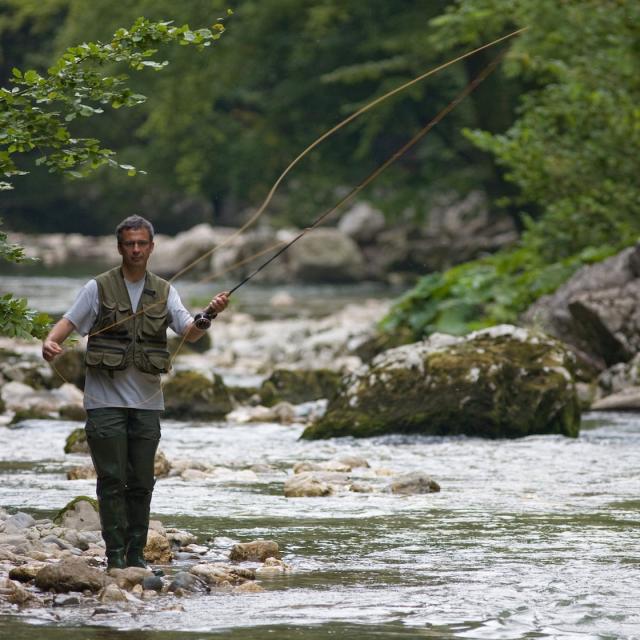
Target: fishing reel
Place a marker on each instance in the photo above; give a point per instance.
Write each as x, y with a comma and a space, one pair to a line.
203, 319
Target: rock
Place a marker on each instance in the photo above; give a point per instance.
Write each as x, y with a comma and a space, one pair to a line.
112, 593
130, 577
186, 581
161, 465
352, 462
22, 415
26, 572
80, 514
283, 413
305, 485
248, 587
73, 412
76, 442
18, 522
152, 583
192, 395
626, 400
362, 223
158, 548
70, 574
597, 311
217, 574
272, 567
331, 465
297, 386
86, 472
14, 592
414, 482
257, 550
326, 255
503, 382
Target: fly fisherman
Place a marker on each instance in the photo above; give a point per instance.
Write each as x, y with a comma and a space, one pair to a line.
126, 353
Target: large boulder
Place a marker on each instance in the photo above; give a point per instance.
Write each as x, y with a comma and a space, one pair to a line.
503, 382
362, 223
597, 311
188, 394
70, 574
326, 255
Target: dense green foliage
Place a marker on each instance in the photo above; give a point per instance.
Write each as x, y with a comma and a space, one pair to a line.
35, 116
572, 153
217, 134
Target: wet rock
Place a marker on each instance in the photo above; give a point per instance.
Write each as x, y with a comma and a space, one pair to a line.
185, 581
130, 577
248, 587
257, 550
74, 412
158, 548
70, 574
306, 484
14, 592
414, 482
218, 574
297, 386
66, 601
26, 572
86, 472
626, 400
503, 382
22, 415
272, 567
192, 395
113, 593
76, 442
282, 413
161, 465
152, 583
331, 465
80, 514
18, 522
352, 462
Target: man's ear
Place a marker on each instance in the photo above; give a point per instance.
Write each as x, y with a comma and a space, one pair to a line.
120, 249
151, 247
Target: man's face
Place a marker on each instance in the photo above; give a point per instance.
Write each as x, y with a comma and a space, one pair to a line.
135, 247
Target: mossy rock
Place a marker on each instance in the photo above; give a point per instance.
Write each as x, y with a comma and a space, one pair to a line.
29, 414
503, 382
244, 395
188, 394
73, 412
57, 519
3, 406
69, 367
77, 442
299, 385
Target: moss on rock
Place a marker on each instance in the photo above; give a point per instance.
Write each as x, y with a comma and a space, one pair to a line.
29, 414
188, 394
503, 382
296, 386
77, 442
57, 519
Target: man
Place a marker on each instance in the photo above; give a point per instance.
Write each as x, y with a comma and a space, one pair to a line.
125, 312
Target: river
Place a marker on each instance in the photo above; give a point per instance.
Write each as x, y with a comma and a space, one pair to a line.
530, 538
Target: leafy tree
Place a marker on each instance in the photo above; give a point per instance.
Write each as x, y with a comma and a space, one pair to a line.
36, 116
571, 153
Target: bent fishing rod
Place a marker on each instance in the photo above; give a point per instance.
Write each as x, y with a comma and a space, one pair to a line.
203, 319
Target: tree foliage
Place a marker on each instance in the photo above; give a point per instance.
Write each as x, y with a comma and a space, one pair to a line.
571, 153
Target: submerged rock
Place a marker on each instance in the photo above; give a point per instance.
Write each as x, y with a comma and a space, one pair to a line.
306, 485
257, 550
414, 482
503, 382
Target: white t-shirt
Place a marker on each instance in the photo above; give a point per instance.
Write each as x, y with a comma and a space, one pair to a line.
130, 388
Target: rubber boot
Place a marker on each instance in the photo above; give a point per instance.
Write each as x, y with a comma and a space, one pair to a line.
109, 457
138, 494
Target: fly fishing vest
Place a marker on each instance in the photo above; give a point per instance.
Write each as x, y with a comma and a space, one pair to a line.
119, 338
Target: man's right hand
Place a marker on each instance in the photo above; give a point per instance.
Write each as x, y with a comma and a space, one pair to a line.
50, 350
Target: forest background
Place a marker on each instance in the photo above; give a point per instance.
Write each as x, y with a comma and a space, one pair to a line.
551, 138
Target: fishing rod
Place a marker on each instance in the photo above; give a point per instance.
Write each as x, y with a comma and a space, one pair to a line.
203, 319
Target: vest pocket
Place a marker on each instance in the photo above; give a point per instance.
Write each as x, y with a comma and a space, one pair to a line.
105, 357
154, 323
156, 360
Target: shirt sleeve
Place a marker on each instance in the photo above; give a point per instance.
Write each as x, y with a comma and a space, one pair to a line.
179, 317
84, 310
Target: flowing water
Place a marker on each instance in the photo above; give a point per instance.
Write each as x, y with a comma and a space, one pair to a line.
530, 538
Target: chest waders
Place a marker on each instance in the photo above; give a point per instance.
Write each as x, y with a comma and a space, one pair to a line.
123, 441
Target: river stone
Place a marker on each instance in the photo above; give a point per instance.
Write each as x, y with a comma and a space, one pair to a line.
188, 394
161, 465
76, 442
306, 485
362, 223
185, 581
257, 550
158, 548
80, 514
298, 385
503, 382
26, 572
70, 574
113, 593
130, 577
152, 583
414, 482
18, 522
626, 400
86, 472
13, 592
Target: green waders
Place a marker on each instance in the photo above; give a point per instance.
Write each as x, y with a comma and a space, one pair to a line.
123, 445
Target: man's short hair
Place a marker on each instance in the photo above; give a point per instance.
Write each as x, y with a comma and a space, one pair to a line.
134, 222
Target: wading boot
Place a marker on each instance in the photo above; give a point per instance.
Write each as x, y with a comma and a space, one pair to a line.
140, 483
109, 457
